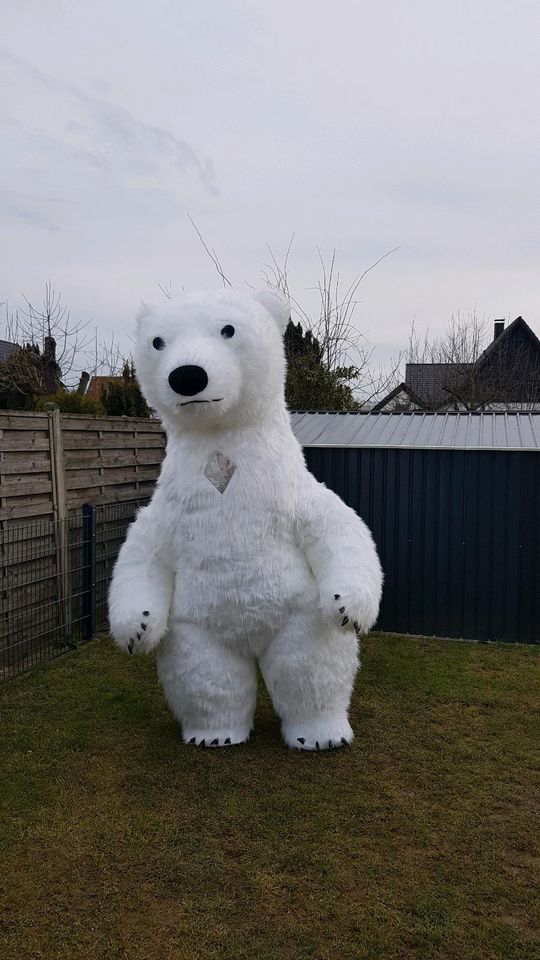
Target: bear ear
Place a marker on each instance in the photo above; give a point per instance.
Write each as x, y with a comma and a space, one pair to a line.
277, 304
143, 313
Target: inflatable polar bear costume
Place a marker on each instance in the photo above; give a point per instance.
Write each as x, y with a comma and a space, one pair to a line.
241, 556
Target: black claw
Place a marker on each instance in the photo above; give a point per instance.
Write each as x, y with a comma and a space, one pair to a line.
130, 644
192, 740
357, 626
330, 744
202, 743
317, 747
227, 741
139, 635
301, 740
344, 742
342, 609
215, 742
344, 621
143, 626
337, 596
146, 613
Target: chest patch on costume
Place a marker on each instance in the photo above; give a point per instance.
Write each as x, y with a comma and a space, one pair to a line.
219, 471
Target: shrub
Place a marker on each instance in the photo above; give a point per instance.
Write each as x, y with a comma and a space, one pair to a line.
122, 397
73, 402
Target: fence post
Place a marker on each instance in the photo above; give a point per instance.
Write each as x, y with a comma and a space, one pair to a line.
59, 502
89, 571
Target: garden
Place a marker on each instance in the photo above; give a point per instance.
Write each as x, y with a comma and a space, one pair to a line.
419, 842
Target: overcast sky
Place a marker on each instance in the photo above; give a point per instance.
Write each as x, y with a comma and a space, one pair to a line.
356, 126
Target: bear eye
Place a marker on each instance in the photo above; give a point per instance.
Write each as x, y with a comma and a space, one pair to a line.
227, 332
158, 343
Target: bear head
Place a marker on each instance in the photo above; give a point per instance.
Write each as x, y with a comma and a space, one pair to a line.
213, 357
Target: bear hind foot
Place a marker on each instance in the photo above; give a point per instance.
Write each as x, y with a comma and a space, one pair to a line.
225, 737
318, 734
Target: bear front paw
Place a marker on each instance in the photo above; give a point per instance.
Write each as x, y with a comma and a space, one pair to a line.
343, 617
138, 638
352, 612
140, 633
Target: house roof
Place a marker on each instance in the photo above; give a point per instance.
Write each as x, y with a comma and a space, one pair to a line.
519, 325
402, 388
428, 380
419, 430
6, 349
97, 385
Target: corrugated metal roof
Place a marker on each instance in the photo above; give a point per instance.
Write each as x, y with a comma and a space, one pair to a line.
421, 431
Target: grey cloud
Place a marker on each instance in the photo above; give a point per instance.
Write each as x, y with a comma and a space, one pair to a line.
119, 135
439, 194
43, 143
142, 144
26, 208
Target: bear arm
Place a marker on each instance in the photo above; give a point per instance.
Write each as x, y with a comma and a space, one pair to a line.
142, 584
341, 553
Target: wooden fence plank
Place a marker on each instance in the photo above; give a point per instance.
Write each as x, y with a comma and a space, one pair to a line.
20, 465
23, 420
22, 487
7, 444
114, 441
111, 424
19, 512
86, 460
114, 496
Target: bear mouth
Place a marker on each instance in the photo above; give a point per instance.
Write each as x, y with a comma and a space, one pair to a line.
187, 402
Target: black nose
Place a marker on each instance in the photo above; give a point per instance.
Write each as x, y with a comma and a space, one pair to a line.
188, 380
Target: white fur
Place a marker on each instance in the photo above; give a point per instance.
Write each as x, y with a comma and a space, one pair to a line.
249, 575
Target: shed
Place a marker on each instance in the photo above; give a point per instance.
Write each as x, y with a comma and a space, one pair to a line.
453, 502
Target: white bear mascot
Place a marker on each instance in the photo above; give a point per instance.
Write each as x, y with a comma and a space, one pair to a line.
242, 557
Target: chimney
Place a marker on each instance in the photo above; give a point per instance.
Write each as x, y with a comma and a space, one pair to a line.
83, 382
498, 328
49, 348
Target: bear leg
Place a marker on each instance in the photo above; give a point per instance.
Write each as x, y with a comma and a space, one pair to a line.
309, 670
210, 687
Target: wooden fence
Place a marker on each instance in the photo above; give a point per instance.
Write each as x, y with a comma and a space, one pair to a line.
51, 464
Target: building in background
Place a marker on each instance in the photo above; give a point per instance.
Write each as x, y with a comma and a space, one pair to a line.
506, 376
6, 349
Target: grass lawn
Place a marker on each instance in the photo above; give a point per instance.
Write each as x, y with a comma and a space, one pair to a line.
116, 841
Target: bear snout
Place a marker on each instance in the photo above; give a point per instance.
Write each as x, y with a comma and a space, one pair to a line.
188, 380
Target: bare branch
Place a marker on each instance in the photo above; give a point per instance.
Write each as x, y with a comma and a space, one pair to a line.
345, 350
166, 290
211, 253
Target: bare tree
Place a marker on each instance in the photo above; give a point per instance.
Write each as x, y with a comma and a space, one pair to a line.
105, 357
344, 348
55, 352
50, 329
345, 351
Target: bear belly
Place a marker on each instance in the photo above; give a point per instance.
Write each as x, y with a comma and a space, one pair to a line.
239, 576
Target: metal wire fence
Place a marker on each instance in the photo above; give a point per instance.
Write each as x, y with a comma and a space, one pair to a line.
54, 578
